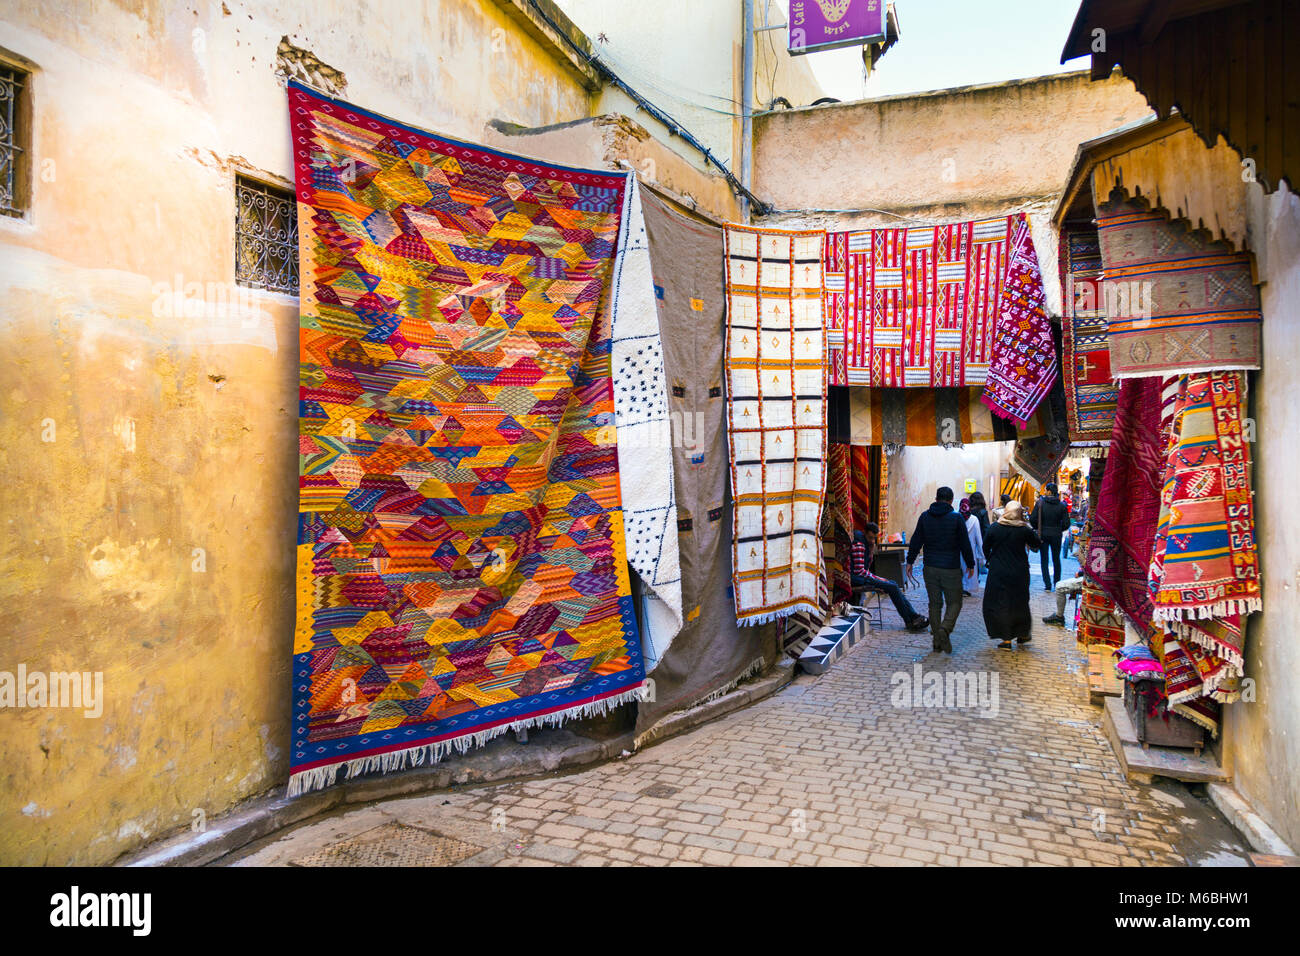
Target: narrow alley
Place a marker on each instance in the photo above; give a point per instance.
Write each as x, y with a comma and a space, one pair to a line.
825, 771
560, 433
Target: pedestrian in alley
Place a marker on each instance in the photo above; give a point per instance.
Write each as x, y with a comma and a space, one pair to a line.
1006, 594
976, 541
941, 534
864, 547
980, 509
1050, 518
1067, 588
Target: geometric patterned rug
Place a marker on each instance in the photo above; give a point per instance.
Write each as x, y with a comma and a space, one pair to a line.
461, 566
916, 307
1091, 393
776, 402
1176, 301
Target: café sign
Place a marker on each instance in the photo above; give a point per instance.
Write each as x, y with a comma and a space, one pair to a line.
829, 24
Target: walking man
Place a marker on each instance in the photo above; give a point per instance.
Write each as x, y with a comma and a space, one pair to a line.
941, 534
1050, 518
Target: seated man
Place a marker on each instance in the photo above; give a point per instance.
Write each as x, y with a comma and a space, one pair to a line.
1063, 591
1065, 588
864, 547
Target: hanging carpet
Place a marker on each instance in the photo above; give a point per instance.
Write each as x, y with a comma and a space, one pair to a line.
1128, 506
1022, 367
837, 523
645, 454
922, 307
1204, 566
710, 653
1205, 562
1178, 302
776, 398
948, 417
1090, 390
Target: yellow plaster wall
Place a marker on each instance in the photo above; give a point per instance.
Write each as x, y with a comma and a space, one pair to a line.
172, 431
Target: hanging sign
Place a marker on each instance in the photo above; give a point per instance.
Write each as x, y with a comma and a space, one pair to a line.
829, 24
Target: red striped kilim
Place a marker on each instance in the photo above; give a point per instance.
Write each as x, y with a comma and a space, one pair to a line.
916, 307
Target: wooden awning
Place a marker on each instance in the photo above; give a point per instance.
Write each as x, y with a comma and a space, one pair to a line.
1165, 163
1225, 65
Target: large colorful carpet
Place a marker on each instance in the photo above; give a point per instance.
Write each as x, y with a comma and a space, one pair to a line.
948, 417
1128, 506
1023, 364
710, 653
1204, 563
1099, 618
1090, 390
776, 399
1178, 302
641, 417
920, 307
1204, 573
461, 566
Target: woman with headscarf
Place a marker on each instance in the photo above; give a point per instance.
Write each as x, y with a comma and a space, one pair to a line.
976, 535
1006, 595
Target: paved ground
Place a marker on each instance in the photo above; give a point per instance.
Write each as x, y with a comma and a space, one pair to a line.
827, 771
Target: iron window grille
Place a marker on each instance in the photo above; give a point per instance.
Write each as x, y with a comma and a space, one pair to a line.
13, 140
266, 237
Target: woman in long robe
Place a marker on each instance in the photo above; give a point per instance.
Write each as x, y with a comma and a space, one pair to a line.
1006, 593
976, 535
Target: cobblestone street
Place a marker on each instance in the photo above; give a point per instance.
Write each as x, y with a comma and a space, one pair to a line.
826, 771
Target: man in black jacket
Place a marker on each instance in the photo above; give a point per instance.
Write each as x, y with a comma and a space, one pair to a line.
1050, 518
941, 532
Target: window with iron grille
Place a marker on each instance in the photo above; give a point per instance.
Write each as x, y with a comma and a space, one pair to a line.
15, 133
266, 237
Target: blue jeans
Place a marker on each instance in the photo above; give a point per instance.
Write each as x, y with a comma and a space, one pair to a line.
901, 604
1052, 547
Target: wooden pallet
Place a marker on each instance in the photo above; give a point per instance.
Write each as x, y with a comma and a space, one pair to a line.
1103, 682
1144, 764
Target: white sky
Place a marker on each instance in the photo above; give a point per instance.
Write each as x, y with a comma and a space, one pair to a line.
954, 43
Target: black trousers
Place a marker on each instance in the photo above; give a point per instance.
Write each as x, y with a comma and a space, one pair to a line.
1052, 546
943, 587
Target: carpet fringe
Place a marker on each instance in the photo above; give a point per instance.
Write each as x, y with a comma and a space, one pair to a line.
753, 620
1242, 606
1211, 685
1227, 652
318, 778
1200, 370
755, 666
1100, 450
1020, 423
